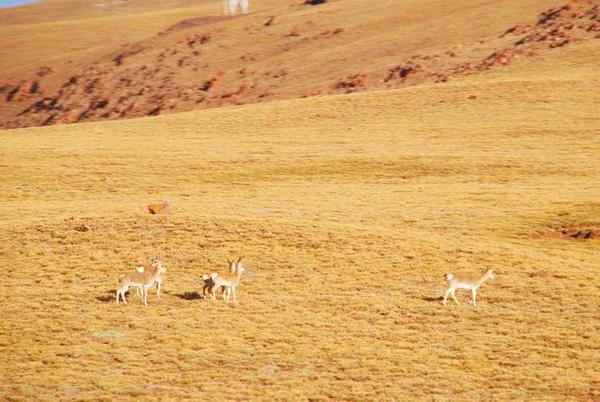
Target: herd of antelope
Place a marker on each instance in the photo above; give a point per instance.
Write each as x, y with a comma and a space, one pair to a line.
227, 282
143, 280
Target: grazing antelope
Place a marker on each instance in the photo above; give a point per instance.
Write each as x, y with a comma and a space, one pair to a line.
466, 281
161, 278
229, 281
143, 280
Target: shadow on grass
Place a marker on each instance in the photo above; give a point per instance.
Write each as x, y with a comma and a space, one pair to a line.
108, 297
432, 299
190, 296
111, 295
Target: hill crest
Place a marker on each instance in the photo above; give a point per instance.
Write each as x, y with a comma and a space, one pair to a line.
213, 61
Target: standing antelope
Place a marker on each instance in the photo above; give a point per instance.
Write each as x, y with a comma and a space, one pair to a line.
161, 278
229, 281
209, 282
143, 280
466, 281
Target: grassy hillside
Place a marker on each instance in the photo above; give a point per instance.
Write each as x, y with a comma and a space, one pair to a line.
348, 210
72, 26
118, 60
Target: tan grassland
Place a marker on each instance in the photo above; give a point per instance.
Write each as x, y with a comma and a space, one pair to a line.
348, 210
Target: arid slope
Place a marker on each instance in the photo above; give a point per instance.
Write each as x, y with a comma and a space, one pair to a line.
131, 60
348, 210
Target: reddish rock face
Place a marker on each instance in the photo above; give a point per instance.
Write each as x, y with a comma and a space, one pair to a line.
352, 83
555, 28
401, 72
580, 231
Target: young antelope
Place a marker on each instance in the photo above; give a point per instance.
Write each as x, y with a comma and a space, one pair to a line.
467, 281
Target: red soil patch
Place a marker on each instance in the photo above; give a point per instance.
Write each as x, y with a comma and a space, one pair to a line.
352, 83
572, 232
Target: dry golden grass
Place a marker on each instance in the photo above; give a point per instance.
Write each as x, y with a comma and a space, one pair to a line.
347, 210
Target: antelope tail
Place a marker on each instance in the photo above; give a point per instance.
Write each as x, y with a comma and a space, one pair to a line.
449, 276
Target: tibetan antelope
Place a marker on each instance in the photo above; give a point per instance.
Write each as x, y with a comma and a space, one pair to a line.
467, 281
229, 281
143, 280
161, 278
209, 280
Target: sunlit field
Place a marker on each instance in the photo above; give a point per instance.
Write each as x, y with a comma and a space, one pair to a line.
347, 212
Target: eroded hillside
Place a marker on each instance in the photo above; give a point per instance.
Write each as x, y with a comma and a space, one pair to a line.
293, 50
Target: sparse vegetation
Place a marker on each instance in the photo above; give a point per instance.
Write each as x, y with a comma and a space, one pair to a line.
347, 211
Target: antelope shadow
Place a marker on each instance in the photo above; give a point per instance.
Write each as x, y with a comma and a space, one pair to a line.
432, 299
190, 296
